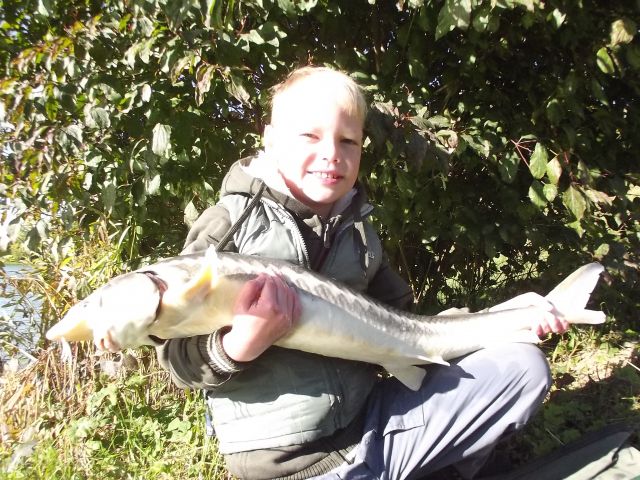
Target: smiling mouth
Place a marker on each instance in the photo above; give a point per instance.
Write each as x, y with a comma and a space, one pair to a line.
325, 175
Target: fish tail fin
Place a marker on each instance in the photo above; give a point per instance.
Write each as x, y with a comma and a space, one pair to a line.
574, 292
589, 317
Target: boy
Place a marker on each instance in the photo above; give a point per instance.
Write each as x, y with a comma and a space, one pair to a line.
281, 413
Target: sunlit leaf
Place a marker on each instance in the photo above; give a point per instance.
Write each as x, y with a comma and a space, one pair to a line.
190, 214
204, 74
599, 197
605, 62
538, 161
98, 118
153, 184
536, 194
622, 31
161, 139
508, 166
146, 92
575, 202
454, 13
550, 192
554, 170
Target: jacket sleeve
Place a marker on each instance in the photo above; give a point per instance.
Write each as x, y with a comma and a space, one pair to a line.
198, 362
208, 229
201, 362
390, 288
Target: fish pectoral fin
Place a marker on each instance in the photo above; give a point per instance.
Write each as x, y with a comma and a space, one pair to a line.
409, 375
198, 287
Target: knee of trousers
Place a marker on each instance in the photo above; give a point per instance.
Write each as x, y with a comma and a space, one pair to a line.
530, 365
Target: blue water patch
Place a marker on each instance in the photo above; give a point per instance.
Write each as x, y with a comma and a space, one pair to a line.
19, 315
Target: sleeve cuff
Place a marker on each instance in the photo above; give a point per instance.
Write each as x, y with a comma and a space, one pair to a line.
210, 347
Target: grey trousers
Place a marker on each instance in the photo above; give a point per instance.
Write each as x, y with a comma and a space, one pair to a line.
456, 418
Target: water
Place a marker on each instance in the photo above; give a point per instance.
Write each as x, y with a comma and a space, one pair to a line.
19, 317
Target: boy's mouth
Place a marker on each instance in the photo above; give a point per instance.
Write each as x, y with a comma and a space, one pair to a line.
325, 175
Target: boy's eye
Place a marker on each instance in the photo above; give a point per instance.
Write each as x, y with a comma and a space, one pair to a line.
309, 135
350, 141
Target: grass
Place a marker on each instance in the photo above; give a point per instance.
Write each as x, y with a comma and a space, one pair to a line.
120, 417
69, 421
73, 421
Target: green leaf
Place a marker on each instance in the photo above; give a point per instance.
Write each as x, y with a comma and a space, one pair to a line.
536, 194
598, 197
153, 184
633, 56
161, 139
190, 214
75, 131
98, 118
575, 202
108, 195
622, 31
557, 17
454, 13
605, 62
554, 170
204, 74
146, 92
550, 192
179, 66
538, 161
236, 88
287, 6
508, 167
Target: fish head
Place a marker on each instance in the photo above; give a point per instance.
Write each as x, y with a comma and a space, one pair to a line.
115, 316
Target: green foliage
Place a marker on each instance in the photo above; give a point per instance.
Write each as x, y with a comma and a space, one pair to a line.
500, 149
502, 138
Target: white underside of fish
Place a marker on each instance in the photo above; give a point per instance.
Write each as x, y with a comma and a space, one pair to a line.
335, 321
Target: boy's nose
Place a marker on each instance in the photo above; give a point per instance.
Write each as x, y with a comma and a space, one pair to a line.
328, 151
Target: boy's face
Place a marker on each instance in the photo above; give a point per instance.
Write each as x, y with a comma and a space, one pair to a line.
316, 146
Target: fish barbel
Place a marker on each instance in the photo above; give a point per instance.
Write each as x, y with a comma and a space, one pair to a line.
195, 295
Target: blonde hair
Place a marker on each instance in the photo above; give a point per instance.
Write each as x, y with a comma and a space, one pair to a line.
343, 89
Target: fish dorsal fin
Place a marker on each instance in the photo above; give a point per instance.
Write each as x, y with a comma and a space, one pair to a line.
196, 289
573, 292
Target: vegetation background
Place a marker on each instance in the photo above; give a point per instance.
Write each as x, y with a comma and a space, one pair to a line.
501, 150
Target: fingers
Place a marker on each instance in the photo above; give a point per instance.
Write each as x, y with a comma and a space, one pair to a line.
550, 323
250, 293
266, 309
107, 343
270, 298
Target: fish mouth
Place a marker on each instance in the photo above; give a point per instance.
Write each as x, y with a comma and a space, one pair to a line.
160, 284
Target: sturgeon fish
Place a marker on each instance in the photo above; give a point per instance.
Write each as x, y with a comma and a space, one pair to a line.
195, 294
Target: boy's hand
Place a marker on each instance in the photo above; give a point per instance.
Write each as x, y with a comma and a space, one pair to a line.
549, 321
266, 309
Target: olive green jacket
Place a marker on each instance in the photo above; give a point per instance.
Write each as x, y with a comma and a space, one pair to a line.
285, 400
